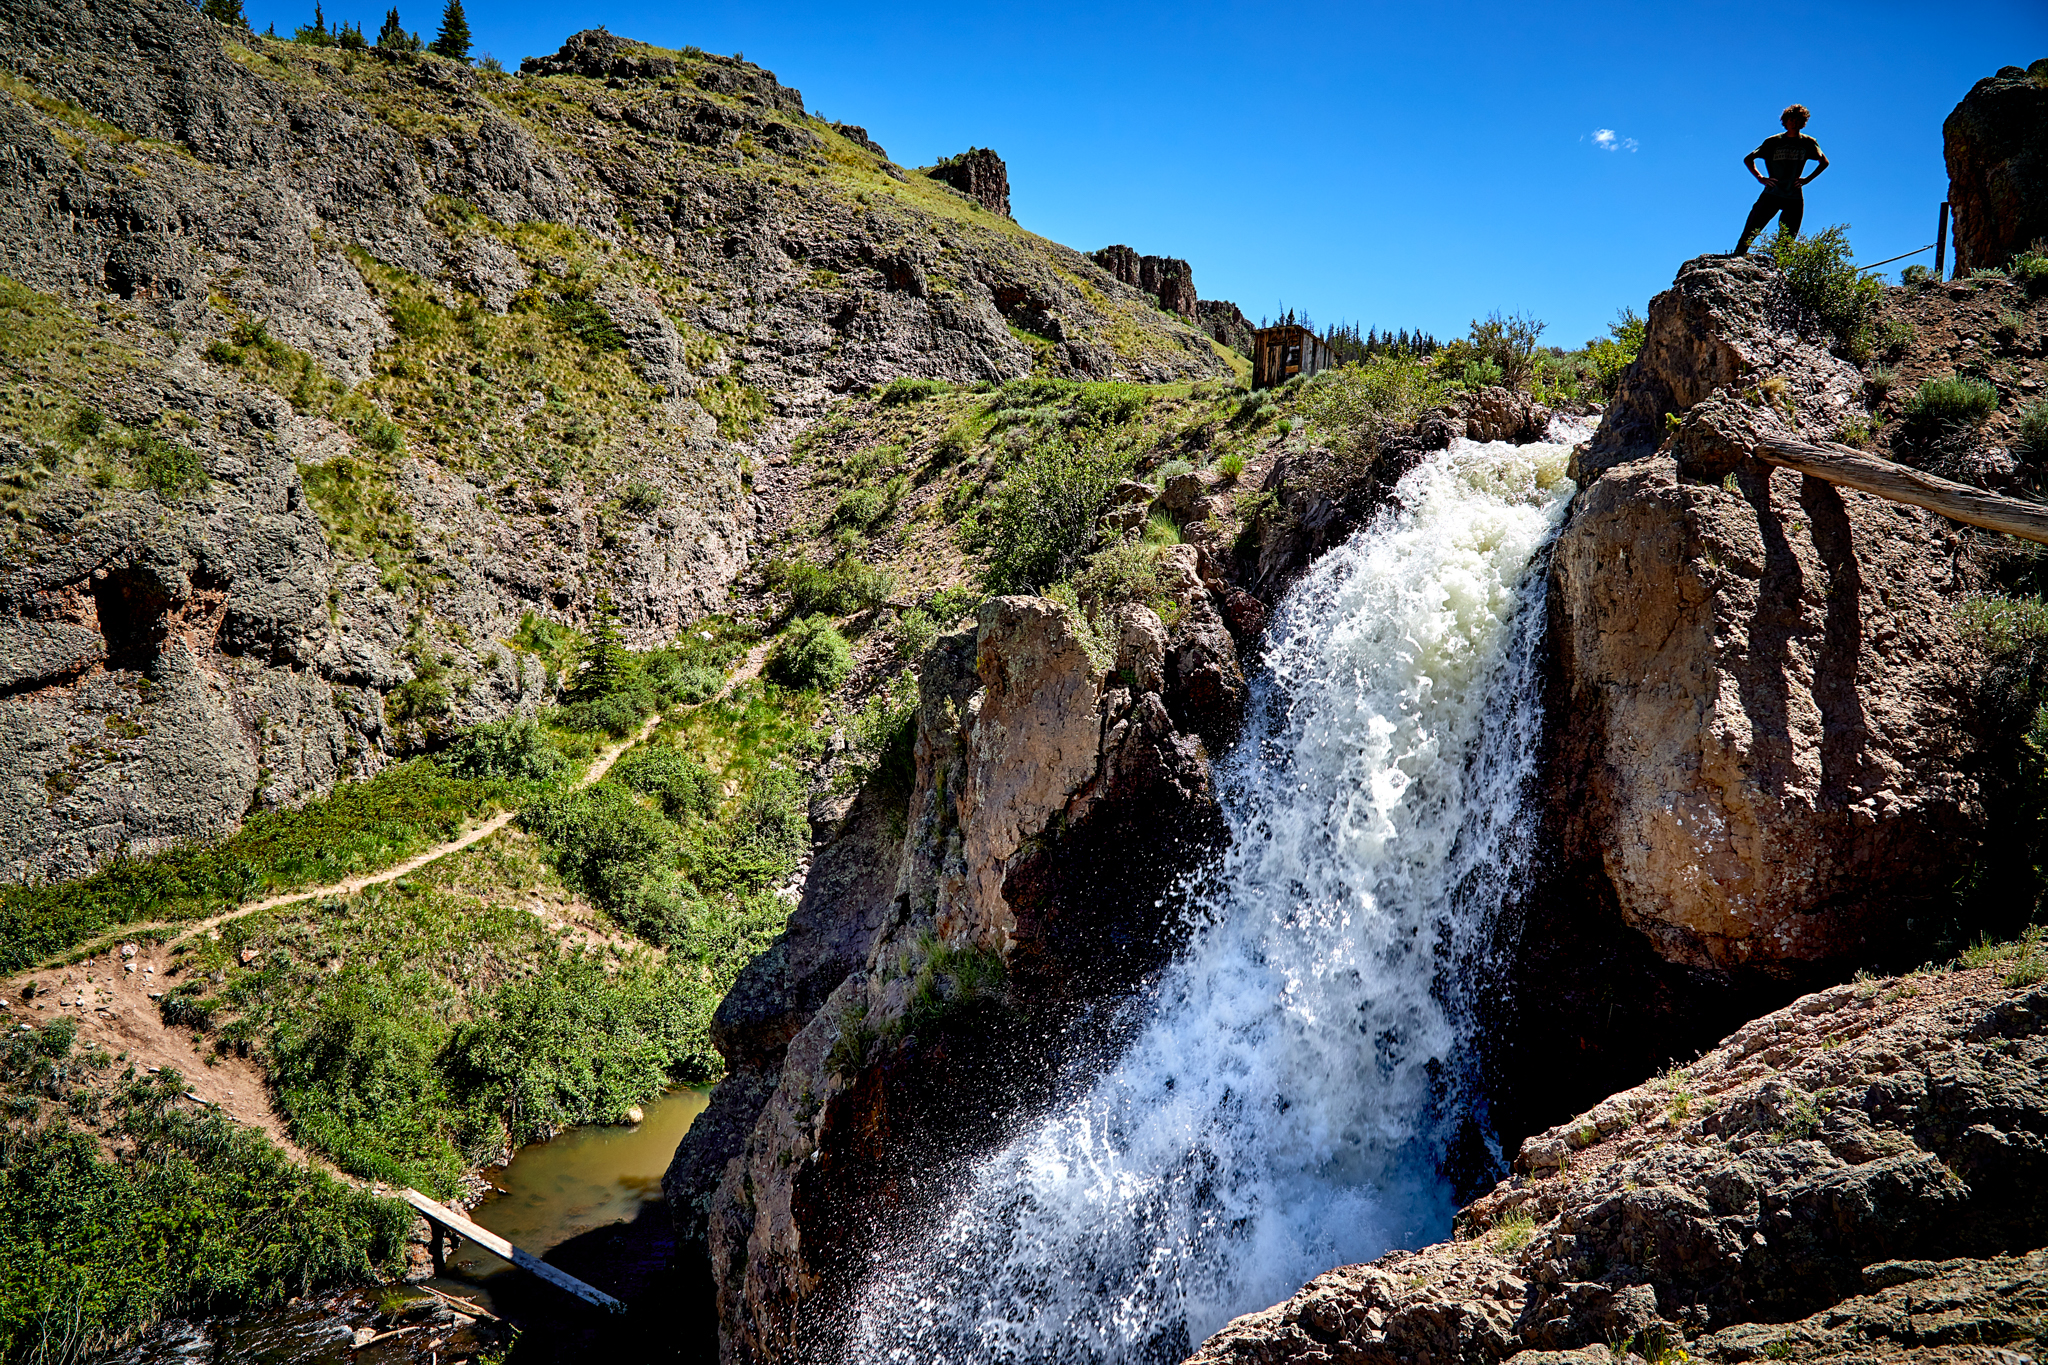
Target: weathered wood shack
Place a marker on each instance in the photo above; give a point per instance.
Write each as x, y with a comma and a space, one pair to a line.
1280, 353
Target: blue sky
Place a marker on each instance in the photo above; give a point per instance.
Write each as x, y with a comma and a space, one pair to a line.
1397, 165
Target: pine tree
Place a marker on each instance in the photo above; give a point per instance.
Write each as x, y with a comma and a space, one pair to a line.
319, 20
453, 41
227, 12
393, 37
605, 663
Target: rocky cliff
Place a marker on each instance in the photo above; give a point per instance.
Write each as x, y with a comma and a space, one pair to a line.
328, 369
979, 174
1062, 783
1858, 1176
1763, 769
1996, 145
1167, 278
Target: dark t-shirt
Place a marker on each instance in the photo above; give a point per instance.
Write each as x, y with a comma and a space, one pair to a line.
1785, 157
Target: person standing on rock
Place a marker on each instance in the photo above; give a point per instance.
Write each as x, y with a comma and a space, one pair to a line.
1785, 156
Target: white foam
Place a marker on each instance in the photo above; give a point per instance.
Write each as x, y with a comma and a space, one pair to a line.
1285, 1107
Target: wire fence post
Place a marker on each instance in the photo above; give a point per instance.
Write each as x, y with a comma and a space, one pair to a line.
1941, 240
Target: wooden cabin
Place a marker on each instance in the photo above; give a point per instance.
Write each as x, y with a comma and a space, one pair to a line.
1280, 353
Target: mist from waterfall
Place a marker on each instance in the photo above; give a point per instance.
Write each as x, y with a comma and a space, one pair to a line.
1286, 1103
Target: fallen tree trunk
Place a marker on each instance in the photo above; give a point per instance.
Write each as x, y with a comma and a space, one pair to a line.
1957, 502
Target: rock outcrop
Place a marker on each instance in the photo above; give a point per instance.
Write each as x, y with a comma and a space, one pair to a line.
979, 174
1861, 1176
1223, 320
1996, 145
1062, 784
1166, 278
1761, 770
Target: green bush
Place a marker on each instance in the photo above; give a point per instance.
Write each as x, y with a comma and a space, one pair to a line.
902, 391
616, 714
607, 845
515, 748
811, 653
1108, 405
846, 585
1125, 571
758, 844
1231, 466
912, 633
1950, 403
679, 783
587, 321
204, 1216
1481, 374
1914, 276
166, 468
357, 1078
1614, 353
577, 1045
1823, 280
1041, 519
2030, 268
417, 319
1353, 404
862, 507
676, 680
2034, 428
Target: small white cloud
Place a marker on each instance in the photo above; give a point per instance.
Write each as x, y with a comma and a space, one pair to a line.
1607, 140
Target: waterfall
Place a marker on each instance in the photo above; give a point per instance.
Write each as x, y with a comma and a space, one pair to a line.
1285, 1103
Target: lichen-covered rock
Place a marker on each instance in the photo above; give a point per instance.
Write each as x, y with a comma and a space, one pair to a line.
1726, 325
1996, 146
1057, 796
1874, 1156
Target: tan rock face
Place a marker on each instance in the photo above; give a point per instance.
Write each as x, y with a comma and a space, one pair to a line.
1760, 678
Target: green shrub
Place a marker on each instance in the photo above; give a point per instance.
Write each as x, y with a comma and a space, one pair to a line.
1125, 571
2030, 268
356, 1077
811, 653
204, 1216
607, 845
684, 787
948, 605
1893, 337
676, 680
846, 585
862, 507
1231, 466
1823, 280
1108, 405
515, 748
575, 1044
1353, 404
912, 633
1481, 374
2034, 428
586, 320
167, 468
1949, 403
1612, 354
1881, 380
1914, 276
640, 498
903, 391
616, 715
1041, 519
757, 845
417, 319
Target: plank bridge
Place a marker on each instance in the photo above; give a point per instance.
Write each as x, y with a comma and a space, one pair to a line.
444, 1220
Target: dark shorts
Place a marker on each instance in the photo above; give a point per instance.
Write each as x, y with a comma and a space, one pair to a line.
1788, 206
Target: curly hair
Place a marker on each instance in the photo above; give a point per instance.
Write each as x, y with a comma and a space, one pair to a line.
1795, 115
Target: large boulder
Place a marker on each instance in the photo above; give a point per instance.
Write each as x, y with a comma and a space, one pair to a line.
1790, 1195
1996, 145
979, 174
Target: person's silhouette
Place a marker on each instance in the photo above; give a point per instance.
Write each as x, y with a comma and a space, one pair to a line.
1785, 155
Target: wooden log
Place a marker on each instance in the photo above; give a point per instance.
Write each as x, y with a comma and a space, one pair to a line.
490, 1241
1956, 501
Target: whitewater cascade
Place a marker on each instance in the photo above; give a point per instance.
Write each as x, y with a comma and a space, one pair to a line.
1285, 1106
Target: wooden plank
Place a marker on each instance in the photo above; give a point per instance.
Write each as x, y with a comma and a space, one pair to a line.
1956, 501
498, 1246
